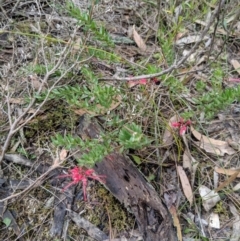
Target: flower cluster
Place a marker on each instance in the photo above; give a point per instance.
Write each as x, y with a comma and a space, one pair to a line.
181, 125
81, 174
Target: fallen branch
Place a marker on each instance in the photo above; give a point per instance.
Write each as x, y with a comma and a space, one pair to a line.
92, 230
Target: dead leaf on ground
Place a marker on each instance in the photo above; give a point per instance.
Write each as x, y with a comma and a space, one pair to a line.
191, 163
168, 134
100, 109
227, 182
236, 223
170, 200
190, 39
63, 154
185, 184
236, 188
228, 172
214, 221
218, 30
236, 65
209, 197
211, 145
187, 160
61, 157
138, 39
176, 222
19, 101
36, 83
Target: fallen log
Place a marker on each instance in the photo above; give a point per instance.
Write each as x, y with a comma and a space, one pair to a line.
127, 184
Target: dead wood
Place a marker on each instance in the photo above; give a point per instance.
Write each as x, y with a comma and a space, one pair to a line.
127, 184
92, 230
62, 202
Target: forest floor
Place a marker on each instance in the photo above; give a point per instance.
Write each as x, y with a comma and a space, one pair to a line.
161, 78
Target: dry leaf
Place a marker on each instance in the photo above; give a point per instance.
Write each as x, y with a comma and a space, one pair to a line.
168, 134
227, 182
36, 84
138, 39
190, 39
170, 201
77, 44
209, 197
236, 65
187, 160
236, 223
215, 179
190, 163
211, 145
61, 157
176, 222
101, 110
185, 184
63, 154
228, 172
214, 221
236, 188
19, 101
219, 30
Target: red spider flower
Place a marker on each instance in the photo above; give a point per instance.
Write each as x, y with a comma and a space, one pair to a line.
80, 174
182, 125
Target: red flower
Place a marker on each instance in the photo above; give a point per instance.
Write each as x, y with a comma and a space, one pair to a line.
132, 83
143, 81
182, 125
79, 174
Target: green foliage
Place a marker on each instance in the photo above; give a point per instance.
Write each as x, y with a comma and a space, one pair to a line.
167, 49
88, 24
152, 69
87, 96
7, 221
102, 54
131, 137
93, 150
22, 151
39, 69
187, 115
200, 86
93, 95
216, 80
212, 102
174, 85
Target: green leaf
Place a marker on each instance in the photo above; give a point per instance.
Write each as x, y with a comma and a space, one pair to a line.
7, 221
151, 177
137, 159
131, 137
